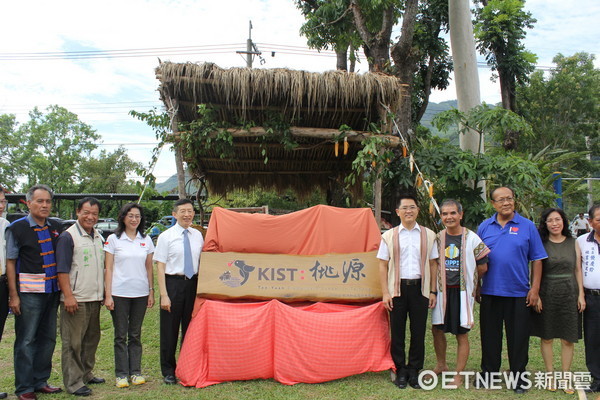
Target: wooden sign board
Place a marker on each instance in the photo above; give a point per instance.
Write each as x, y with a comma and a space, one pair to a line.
332, 277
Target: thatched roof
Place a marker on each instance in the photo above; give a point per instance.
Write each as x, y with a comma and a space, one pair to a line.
314, 104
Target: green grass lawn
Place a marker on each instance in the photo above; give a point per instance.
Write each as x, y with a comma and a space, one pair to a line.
365, 386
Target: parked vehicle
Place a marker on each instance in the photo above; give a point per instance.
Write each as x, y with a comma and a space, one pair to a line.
64, 223
167, 220
106, 228
11, 217
155, 230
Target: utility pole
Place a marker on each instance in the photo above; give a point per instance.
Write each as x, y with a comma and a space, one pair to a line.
466, 75
465, 67
251, 49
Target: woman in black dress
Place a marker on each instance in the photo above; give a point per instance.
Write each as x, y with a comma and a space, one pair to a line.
561, 291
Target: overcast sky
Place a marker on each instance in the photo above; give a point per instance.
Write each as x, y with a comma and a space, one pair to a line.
124, 37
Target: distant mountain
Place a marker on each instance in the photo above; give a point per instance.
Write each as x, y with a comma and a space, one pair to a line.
435, 108
170, 185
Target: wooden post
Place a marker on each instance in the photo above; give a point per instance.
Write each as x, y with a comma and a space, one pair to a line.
178, 154
377, 200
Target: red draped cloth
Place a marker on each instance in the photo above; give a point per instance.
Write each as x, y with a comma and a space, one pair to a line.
313, 343
315, 230
242, 341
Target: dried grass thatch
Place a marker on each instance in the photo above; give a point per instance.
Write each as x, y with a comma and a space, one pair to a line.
304, 99
324, 100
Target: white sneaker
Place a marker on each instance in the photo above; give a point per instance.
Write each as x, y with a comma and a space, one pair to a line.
122, 382
137, 380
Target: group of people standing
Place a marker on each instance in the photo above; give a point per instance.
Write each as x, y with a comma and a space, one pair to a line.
44, 269
449, 271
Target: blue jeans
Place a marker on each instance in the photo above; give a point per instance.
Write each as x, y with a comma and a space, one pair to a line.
35, 338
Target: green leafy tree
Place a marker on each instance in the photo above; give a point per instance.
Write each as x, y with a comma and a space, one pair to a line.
54, 145
108, 173
434, 65
563, 106
329, 24
484, 119
160, 123
419, 57
500, 27
11, 160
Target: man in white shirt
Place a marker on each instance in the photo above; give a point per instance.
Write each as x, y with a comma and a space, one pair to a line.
404, 270
177, 256
581, 225
3, 282
590, 265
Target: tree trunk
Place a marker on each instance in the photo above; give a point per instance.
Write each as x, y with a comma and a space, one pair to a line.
178, 155
342, 58
507, 91
376, 45
426, 89
405, 58
377, 56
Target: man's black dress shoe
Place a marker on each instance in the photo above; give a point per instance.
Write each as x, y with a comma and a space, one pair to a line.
170, 380
414, 383
83, 391
520, 390
95, 380
48, 389
594, 387
401, 381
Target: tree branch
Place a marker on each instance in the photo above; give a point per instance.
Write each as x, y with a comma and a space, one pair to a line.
402, 49
361, 23
426, 88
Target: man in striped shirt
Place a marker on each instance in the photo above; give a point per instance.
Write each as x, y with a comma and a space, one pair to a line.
33, 293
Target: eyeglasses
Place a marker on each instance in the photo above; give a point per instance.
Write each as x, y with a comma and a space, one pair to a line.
504, 200
549, 221
5, 202
408, 208
134, 216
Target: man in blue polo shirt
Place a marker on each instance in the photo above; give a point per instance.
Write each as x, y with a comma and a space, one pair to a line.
505, 291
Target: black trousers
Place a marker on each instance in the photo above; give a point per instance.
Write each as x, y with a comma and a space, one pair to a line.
182, 293
515, 315
591, 334
3, 303
413, 305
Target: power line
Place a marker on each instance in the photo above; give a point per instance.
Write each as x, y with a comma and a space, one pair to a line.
123, 50
178, 50
124, 53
